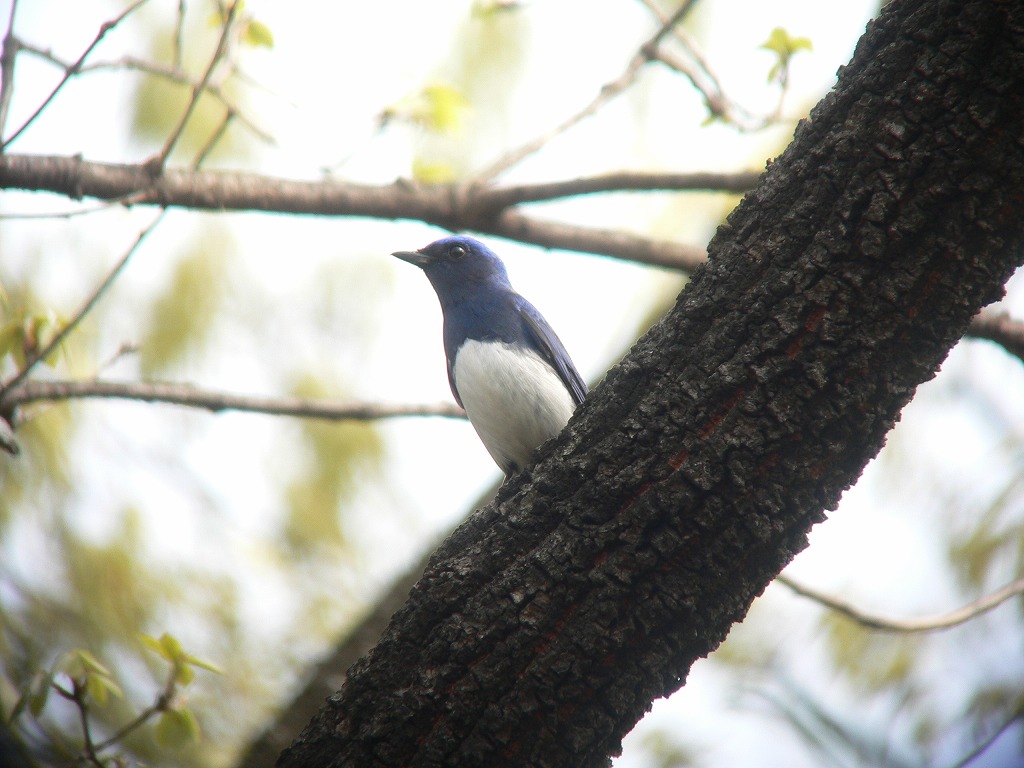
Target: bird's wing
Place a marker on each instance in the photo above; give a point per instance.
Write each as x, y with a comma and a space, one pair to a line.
551, 349
451, 381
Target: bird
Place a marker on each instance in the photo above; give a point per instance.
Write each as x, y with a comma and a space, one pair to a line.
507, 367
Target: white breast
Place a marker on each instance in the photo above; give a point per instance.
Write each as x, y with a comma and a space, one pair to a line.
515, 401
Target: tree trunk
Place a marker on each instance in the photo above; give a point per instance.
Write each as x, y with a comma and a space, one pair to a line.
546, 625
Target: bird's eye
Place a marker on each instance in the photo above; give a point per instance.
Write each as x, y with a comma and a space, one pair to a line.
457, 252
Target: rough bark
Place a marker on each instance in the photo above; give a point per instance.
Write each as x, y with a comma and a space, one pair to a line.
545, 626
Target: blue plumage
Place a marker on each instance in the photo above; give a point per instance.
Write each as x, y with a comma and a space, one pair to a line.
506, 366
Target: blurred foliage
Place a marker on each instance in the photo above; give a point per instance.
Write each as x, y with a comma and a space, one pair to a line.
184, 314
337, 458
873, 660
25, 334
85, 683
437, 107
45, 429
160, 102
84, 568
481, 70
666, 752
993, 542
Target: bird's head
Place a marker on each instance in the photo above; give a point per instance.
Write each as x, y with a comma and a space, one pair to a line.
457, 266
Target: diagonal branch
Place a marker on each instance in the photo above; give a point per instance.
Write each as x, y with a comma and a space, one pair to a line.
608, 92
512, 225
105, 27
197, 90
927, 624
504, 197
90, 302
192, 397
173, 73
7, 59
696, 69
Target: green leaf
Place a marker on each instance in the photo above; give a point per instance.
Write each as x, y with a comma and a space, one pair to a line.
784, 46
41, 694
168, 647
176, 728
10, 337
219, 17
447, 108
171, 646
782, 43
209, 666
258, 34
100, 688
438, 107
80, 663
152, 643
432, 173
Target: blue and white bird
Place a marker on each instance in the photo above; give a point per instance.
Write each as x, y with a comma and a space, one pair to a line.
506, 366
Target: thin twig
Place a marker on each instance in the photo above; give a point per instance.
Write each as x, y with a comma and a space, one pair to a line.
163, 701
214, 139
989, 740
191, 397
7, 59
197, 91
173, 73
78, 696
64, 332
105, 27
606, 94
179, 36
106, 205
512, 225
704, 80
927, 624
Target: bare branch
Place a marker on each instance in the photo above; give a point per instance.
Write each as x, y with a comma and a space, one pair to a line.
927, 624
214, 139
608, 92
504, 197
173, 73
621, 245
160, 704
695, 68
105, 27
452, 208
192, 397
179, 36
1000, 328
991, 739
8, 442
7, 59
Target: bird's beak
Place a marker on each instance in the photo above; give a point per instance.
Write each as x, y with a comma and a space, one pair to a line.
421, 260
